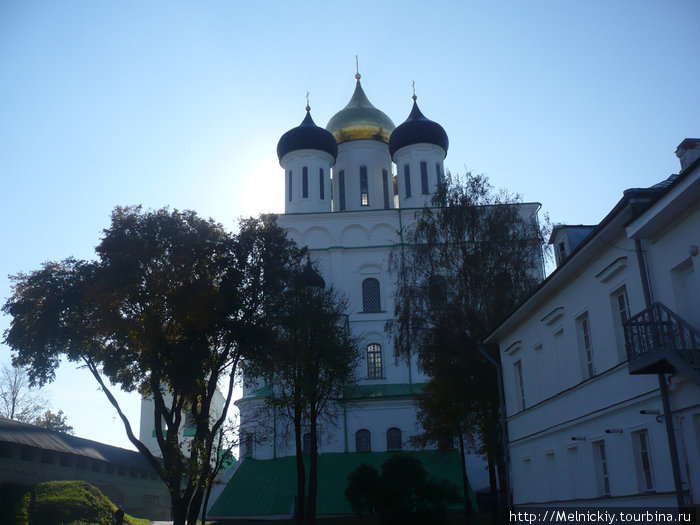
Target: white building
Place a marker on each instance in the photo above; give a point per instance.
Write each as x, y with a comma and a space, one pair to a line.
585, 407
341, 202
350, 192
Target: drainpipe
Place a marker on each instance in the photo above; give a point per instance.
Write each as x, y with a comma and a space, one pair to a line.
663, 386
504, 429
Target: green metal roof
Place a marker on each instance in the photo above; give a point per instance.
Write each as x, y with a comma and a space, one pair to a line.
268, 487
383, 390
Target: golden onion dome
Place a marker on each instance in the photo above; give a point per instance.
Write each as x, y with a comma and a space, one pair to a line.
360, 120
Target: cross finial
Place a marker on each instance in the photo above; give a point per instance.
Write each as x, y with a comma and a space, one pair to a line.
414, 97
357, 68
308, 108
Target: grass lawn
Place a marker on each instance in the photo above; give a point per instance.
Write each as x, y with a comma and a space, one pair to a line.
58, 502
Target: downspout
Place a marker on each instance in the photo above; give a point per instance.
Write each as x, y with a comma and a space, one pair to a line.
663, 386
504, 428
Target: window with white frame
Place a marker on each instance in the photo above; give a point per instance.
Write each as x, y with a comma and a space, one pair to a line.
363, 441
621, 312
600, 462
643, 463
374, 361
583, 326
393, 439
519, 386
371, 299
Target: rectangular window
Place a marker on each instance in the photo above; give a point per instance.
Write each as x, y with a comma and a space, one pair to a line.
407, 179
289, 184
424, 178
438, 172
642, 456
321, 184
620, 312
385, 187
601, 468
374, 361
585, 346
519, 386
341, 190
364, 194
305, 182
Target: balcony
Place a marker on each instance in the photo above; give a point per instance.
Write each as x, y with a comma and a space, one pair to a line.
659, 341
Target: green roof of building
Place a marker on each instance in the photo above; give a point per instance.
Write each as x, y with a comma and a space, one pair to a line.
383, 390
268, 487
375, 391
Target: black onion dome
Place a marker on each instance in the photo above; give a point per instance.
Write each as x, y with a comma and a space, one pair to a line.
416, 130
307, 135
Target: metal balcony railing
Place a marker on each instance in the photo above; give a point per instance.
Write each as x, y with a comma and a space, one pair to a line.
659, 330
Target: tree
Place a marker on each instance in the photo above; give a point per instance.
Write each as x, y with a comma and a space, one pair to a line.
403, 493
312, 361
18, 400
169, 309
57, 422
468, 261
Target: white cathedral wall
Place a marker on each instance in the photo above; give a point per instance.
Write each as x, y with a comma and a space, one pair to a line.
352, 155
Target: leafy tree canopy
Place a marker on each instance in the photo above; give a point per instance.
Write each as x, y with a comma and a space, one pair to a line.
58, 422
169, 308
468, 260
18, 400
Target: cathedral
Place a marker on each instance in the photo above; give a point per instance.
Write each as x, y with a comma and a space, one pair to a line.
351, 189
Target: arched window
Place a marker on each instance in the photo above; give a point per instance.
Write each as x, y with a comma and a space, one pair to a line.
374, 361
341, 190
305, 182
321, 185
289, 186
424, 177
407, 179
438, 172
371, 301
364, 191
306, 443
393, 439
363, 441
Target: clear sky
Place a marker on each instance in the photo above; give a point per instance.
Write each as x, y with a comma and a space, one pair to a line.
181, 104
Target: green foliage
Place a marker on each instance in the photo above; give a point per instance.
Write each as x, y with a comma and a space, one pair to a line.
363, 490
170, 307
58, 422
402, 494
468, 261
67, 503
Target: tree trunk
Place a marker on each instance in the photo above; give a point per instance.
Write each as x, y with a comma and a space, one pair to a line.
301, 475
465, 479
179, 509
313, 472
195, 506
